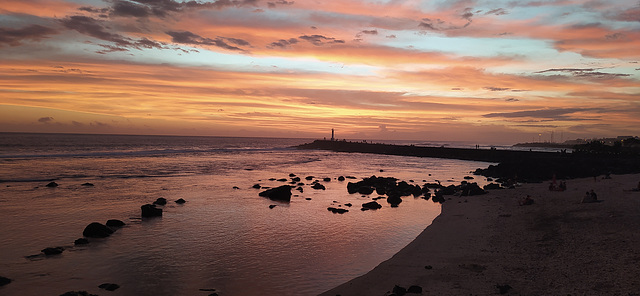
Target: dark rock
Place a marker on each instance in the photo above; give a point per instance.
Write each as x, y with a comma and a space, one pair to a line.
282, 180
77, 293
52, 185
308, 198
371, 205
327, 179
399, 291
468, 178
281, 193
471, 189
428, 267
394, 200
341, 178
96, 229
4, 281
296, 179
350, 177
365, 190
272, 206
503, 289
309, 178
109, 286
81, 241
213, 294
236, 187
256, 186
272, 179
161, 201
415, 290
180, 201
150, 211
88, 184
115, 223
292, 175
52, 251
337, 210
300, 189
318, 186
491, 186
348, 205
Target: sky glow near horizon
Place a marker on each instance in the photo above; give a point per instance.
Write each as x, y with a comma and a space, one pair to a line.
488, 71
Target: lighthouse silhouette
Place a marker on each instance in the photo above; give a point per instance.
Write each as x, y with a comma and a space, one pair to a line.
332, 133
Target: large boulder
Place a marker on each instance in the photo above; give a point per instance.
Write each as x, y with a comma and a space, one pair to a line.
96, 229
149, 210
280, 193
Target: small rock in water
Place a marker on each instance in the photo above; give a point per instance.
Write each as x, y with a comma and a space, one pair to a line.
503, 289
77, 293
161, 201
81, 241
236, 187
115, 223
52, 251
88, 184
256, 186
318, 186
399, 291
336, 210
96, 229
272, 206
327, 179
281, 193
4, 281
52, 184
150, 211
341, 178
180, 201
415, 289
109, 286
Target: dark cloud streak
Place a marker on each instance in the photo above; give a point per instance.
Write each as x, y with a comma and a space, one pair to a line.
15, 37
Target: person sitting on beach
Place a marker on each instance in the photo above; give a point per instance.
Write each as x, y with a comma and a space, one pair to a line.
526, 201
590, 197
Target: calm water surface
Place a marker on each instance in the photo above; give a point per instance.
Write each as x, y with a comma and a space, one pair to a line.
223, 238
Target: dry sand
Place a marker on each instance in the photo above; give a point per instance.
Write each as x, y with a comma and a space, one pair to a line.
557, 246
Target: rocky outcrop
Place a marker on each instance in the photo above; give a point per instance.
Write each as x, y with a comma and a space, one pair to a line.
161, 201
337, 210
4, 281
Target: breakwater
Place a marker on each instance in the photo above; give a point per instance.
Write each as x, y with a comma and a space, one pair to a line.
513, 165
488, 155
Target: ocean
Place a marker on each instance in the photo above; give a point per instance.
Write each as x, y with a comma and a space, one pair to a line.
225, 238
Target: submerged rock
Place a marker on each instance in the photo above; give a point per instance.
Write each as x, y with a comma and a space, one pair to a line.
149, 210
52, 185
180, 201
88, 184
96, 229
281, 193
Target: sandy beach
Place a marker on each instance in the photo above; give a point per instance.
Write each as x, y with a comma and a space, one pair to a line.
556, 246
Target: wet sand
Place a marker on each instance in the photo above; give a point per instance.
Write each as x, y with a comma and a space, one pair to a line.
556, 246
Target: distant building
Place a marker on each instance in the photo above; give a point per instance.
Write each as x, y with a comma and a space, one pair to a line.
332, 135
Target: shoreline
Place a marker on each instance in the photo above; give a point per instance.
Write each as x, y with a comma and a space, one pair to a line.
556, 246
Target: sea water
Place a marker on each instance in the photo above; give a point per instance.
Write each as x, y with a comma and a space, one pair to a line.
224, 238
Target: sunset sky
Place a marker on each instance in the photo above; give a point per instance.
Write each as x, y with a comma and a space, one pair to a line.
492, 71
